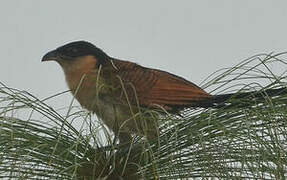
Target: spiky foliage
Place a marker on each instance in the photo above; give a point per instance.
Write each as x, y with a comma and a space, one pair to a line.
244, 139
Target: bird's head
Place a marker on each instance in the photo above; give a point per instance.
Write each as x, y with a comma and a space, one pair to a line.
73, 51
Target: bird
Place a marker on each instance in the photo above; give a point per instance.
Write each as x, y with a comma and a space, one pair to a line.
119, 92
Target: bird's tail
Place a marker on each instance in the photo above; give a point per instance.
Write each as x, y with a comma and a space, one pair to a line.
232, 99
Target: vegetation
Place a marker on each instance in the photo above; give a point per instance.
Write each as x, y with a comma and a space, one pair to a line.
247, 138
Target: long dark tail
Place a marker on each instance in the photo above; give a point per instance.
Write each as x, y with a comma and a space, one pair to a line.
233, 99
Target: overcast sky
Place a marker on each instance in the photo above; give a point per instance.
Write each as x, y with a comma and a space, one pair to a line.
186, 37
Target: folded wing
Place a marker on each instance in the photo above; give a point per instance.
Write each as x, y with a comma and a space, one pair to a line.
153, 88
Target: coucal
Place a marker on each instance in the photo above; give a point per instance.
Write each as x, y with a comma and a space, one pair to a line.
118, 91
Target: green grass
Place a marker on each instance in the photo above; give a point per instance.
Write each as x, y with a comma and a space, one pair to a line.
245, 140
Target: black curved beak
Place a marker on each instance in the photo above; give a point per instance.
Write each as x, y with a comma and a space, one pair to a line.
51, 56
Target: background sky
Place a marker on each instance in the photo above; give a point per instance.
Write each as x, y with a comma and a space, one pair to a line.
188, 38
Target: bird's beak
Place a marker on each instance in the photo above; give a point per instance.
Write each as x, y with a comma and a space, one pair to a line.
51, 56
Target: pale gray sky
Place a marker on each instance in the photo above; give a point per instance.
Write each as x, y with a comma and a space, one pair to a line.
188, 38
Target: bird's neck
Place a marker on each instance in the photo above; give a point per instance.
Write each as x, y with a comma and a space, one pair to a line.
77, 70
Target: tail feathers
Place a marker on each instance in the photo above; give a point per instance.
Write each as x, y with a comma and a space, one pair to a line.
223, 100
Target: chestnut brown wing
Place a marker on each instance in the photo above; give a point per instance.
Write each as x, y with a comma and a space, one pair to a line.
152, 87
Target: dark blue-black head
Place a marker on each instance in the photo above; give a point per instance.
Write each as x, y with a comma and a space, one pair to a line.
74, 50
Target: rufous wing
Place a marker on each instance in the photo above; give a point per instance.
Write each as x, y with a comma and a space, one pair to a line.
152, 87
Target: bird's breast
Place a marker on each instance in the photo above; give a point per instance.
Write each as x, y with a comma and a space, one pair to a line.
85, 87
93, 93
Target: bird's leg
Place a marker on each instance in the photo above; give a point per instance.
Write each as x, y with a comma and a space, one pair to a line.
123, 137
149, 126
